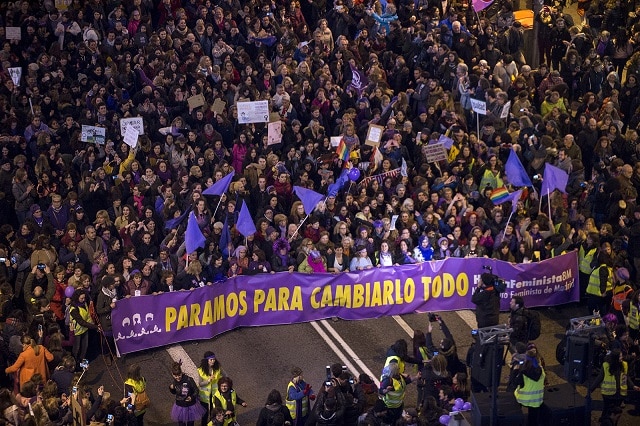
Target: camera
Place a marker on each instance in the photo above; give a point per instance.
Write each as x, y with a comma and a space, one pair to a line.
41, 266
537, 177
130, 407
14, 259
344, 369
3, 259
109, 418
436, 353
75, 389
583, 184
474, 332
328, 381
434, 317
84, 364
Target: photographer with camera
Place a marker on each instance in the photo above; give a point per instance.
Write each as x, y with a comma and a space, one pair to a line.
38, 285
447, 346
339, 387
518, 322
487, 300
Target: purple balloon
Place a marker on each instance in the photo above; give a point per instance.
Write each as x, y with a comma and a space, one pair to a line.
444, 419
69, 291
354, 173
466, 406
459, 402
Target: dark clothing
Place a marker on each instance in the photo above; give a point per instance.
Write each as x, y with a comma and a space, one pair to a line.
487, 301
518, 321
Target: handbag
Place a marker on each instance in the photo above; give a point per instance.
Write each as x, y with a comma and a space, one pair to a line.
142, 400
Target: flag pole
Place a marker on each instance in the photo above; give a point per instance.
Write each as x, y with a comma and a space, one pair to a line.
504, 232
298, 228
478, 125
549, 202
217, 207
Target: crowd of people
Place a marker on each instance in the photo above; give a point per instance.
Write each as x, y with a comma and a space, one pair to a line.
86, 223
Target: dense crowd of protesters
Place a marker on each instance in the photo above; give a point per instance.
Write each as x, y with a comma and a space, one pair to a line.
92, 216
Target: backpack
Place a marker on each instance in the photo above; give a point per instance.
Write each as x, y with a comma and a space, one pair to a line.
533, 324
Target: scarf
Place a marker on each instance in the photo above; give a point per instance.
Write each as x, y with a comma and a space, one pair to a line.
317, 266
111, 294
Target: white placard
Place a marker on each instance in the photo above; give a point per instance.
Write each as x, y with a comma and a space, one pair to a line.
335, 141
13, 33
253, 112
394, 219
135, 122
131, 136
274, 131
480, 107
93, 134
374, 135
16, 75
505, 110
435, 152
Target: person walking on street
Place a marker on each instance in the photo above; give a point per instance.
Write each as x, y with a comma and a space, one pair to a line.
518, 322
225, 397
614, 382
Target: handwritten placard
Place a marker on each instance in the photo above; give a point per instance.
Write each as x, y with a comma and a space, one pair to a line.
274, 133
374, 135
131, 136
218, 106
253, 112
13, 33
480, 107
435, 152
135, 122
93, 134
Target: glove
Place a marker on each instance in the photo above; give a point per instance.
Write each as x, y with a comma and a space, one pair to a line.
312, 397
306, 390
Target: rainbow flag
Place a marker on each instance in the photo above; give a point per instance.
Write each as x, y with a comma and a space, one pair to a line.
498, 195
342, 150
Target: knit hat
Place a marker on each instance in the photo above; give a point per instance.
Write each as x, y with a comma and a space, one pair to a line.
623, 274
34, 208
296, 371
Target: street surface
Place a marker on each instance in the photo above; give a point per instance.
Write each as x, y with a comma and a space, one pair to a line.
260, 359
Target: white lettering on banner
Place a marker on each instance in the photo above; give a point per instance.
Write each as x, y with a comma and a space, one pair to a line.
253, 112
135, 122
480, 107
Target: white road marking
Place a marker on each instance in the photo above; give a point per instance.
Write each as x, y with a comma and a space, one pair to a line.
178, 354
348, 350
466, 315
334, 348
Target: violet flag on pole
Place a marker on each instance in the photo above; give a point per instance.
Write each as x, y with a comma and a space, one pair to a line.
554, 178
359, 80
225, 240
479, 5
515, 171
309, 198
245, 224
193, 237
173, 223
220, 187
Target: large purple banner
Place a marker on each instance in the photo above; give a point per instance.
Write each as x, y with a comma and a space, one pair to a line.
269, 299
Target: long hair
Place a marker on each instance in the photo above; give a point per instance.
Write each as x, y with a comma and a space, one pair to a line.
615, 364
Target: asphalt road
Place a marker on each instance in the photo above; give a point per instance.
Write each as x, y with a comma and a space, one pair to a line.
260, 359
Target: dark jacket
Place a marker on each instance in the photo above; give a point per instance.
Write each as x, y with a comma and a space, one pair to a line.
518, 321
190, 390
487, 301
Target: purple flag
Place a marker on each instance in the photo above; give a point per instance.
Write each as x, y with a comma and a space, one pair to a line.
479, 5
309, 198
173, 223
193, 237
515, 171
513, 197
335, 187
159, 205
446, 141
225, 240
554, 178
220, 187
359, 80
245, 224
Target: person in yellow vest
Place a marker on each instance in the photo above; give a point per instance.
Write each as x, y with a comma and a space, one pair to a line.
614, 382
81, 322
135, 386
209, 373
225, 397
600, 285
299, 393
392, 389
530, 386
621, 291
586, 253
634, 316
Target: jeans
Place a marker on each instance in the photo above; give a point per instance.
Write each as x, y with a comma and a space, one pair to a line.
80, 346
